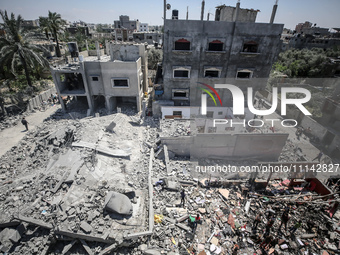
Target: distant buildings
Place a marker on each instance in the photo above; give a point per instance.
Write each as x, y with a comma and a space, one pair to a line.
124, 22
299, 27
307, 36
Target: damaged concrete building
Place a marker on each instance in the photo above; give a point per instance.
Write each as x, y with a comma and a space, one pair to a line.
233, 49
109, 80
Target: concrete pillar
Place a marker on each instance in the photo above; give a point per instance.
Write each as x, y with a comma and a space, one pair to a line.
98, 50
237, 10
56, 82
164, 14
87, 88
87, 45
273, 13
202, 10
139, 103
107, 104
107, 47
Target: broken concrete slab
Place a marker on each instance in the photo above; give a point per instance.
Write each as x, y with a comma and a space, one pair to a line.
86, 247
85, 227
102, 149
152, 252
118, 203
110, 127
68, 247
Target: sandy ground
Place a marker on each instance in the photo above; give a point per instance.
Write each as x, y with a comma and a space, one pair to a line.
10, 137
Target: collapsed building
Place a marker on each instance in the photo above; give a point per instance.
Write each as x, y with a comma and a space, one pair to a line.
109, 80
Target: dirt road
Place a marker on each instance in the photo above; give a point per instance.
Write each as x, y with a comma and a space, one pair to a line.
9, 137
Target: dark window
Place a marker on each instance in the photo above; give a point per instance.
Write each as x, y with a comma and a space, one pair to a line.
121, 83
177, 113
149, 37
243, 75
211, 73
182, 44
180, 94
95, 78
210, 114
181, 73
216, 46
250, 47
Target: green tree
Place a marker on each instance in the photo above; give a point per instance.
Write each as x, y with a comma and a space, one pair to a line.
154, 57
44, 26
55, 24
18, 48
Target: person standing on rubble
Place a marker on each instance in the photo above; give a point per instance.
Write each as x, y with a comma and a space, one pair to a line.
269, 225
25, 123
197, 219
182, 197
257, 220
284, 219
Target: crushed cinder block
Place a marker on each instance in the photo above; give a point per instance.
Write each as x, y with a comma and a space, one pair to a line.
85, 227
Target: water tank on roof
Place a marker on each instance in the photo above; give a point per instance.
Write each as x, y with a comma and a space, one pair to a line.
174, 14
73, 49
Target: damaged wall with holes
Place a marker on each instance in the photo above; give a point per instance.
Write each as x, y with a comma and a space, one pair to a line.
216, 52
222, 146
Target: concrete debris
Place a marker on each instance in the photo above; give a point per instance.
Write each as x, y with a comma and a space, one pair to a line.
102, 149
62, 175
118, 203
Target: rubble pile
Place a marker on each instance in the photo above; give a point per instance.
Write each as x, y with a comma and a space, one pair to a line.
10, 121
107, 184
171, 128
227, 217
58, 190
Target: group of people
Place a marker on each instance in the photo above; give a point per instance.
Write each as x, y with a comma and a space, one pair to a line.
268, 239
271, 221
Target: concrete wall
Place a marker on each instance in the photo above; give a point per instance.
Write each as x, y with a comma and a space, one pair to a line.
221, 146
229, 61
38, 100
228, 13
317, 129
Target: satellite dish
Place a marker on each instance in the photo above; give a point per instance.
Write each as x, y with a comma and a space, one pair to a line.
168, 6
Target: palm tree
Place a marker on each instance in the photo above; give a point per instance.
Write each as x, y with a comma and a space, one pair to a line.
55, 24
17, 47
44, 25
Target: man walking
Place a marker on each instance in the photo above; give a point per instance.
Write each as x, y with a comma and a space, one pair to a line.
284, 219
182, 197
25, 123
257, 220
319, 156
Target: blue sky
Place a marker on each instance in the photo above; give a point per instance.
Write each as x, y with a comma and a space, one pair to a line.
325, 13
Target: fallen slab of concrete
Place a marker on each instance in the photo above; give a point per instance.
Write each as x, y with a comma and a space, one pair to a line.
102, 149
118, 203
